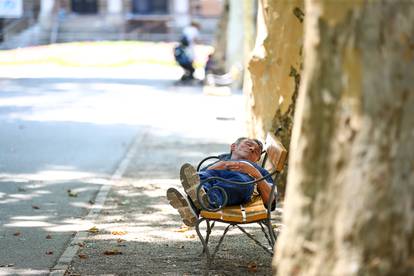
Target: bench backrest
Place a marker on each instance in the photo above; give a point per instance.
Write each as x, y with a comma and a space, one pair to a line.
276, 153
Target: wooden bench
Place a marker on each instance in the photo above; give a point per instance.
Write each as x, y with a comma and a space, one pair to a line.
252, 212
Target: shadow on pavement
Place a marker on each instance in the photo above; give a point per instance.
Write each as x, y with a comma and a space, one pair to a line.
139, 233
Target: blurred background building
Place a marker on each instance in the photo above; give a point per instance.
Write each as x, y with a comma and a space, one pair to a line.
16, 16
51, 21
227, 25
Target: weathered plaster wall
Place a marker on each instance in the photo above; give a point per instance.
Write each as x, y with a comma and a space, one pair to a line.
274, 69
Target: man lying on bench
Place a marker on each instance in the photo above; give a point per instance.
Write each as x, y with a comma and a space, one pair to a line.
240, 166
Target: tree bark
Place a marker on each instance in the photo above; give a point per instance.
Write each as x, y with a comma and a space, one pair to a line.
220, 41
272, 81
349, 206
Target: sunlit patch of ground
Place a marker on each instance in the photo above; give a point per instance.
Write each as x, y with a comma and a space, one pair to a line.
98, 54
141, 234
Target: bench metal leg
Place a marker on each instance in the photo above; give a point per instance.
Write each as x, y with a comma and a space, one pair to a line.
204, 241
255, 240
221, 240
267, 233
266, 228
208, 232
272, 233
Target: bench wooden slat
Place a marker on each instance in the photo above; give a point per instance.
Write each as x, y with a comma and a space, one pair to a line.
249, 212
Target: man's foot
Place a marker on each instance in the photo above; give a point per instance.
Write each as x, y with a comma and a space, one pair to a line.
190, 181
187, 77
179, 202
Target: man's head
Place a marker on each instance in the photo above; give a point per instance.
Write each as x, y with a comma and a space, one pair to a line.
246, 149
195, 24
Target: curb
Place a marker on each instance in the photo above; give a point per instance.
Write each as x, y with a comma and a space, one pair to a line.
66, 258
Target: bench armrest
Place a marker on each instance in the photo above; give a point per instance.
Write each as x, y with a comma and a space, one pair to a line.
204, 160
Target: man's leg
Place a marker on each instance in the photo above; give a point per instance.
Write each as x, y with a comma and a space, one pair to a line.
184, 77
190, 181
179, 202
219, 190
188, 71
191, 70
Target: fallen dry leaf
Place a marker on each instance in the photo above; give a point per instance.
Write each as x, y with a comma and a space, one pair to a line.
252, 267
190, 236
49, 252
71, 193
6, 265
182, 229
35, 207
17, 234
120, 240
112, 252
49, 237
119, 232
125, 202
82, 256
93, 230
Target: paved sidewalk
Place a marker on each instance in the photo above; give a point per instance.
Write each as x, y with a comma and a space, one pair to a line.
139, 233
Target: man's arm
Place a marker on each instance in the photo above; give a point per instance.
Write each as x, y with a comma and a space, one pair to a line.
263, 186
264, 189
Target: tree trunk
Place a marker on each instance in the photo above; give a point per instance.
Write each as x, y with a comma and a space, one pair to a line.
220, 41
349, 206
271, 85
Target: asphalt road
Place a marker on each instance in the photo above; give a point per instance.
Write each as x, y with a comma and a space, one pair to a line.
62, 136
51, 167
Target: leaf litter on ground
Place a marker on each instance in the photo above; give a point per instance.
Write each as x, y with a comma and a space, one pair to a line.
119, 232
252, 267
72, 193
112, 252
82, 256
190, 236
182, 229
93, 230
